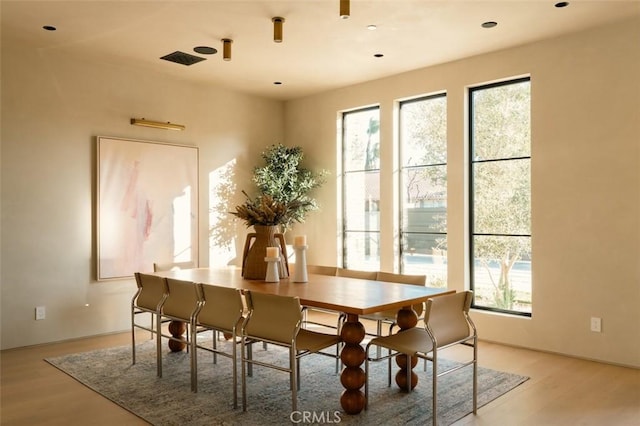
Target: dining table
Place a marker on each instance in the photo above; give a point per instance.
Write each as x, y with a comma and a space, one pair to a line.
352, 296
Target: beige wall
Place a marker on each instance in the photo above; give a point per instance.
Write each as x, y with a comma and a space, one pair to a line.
585, 183
53, 107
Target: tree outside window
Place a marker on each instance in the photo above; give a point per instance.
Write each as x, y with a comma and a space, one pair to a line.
500, 190
423, 156
361, 189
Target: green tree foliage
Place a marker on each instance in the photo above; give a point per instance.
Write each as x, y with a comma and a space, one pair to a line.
283, 178
424, 131
501, 189
501, 182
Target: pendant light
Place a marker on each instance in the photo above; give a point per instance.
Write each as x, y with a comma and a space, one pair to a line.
345, 9
277, 29
226, 49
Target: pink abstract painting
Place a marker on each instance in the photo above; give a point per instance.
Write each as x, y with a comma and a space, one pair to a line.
147, 205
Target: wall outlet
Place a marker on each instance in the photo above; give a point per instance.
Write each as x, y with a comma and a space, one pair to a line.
596, 324
41, 313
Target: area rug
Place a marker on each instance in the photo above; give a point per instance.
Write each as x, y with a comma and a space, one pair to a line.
169, 400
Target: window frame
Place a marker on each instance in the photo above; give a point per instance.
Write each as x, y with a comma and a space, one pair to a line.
471, 190
402, 233
345, 173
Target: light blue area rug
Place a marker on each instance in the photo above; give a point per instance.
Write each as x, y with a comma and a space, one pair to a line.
169, 401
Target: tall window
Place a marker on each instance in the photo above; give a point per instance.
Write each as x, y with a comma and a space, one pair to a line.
423, 157
500, 190
361, 189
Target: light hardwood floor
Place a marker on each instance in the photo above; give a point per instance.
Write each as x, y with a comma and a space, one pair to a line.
561, 390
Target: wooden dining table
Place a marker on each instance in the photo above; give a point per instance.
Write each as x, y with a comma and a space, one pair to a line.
352, 296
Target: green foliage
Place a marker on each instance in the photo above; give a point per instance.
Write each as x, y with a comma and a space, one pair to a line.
284, 184
501, 196
501, 189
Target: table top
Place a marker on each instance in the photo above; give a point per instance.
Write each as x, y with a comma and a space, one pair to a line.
343, 294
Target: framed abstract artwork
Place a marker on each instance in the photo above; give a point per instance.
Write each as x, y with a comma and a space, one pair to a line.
147, 205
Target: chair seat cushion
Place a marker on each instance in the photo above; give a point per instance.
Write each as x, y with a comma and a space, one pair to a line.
407, 342
390, 314
313, 341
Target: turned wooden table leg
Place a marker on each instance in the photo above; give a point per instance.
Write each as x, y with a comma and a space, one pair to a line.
352, 356
406, 319
177, 329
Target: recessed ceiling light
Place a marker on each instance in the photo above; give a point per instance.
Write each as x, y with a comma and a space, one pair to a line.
49, 28
562, 4
205, 50
489, 24
277, 83
372, 27
378, 55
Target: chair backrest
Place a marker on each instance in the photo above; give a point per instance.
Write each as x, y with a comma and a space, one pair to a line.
222, 306
446, 317
157, 267
151, 291
322, 270
402, 278
352, 273
273, 317
182, 299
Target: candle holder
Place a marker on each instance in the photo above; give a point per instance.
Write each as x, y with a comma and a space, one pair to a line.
272, 269
300, 271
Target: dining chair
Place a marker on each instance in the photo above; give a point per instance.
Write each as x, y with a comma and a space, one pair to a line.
157, 267
322, 270
354, 273
278, 320
447, 323
336, 324
389, 316
221, 310
148, 299
181, 305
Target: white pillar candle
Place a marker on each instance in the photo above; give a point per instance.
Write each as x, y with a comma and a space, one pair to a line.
273, 251
300, 240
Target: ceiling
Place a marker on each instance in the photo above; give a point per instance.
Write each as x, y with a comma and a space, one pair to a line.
319, 52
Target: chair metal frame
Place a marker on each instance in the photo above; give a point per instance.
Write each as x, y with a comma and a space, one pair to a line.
179, 305
423, 343
221, 311
330, 271
389, 316
148, 300
285, 330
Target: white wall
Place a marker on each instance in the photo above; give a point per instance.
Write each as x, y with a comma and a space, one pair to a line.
53, 107
585, 183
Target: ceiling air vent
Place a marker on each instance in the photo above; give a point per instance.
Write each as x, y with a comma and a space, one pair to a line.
182, 58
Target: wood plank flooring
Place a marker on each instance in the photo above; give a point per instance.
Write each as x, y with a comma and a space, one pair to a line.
561, 390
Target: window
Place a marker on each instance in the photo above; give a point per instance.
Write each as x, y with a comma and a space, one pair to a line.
500, 191
423, 165
361, 189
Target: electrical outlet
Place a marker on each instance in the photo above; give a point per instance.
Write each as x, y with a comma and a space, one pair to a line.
41, 313
596, 324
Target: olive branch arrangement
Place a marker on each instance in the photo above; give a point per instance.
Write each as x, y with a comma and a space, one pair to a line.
265, 210
284, 189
